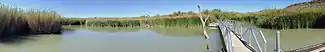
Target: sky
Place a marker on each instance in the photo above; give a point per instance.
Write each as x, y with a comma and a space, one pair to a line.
135, 8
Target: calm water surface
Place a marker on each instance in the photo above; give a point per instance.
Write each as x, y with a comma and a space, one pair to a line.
113, 40
295, 38
147, 40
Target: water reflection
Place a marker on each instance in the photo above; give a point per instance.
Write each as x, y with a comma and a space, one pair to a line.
14, 39
114, 29
21, 39
99, 29
112, 40
40, 43
79, 39
184, 32
137, 40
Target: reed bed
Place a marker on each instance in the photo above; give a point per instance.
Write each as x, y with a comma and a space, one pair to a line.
113, 23
15, 20
292, 21
43, 21
176, 22
71, 21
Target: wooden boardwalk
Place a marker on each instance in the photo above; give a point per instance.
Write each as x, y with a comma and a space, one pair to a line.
236, 45
234, 40
235, 34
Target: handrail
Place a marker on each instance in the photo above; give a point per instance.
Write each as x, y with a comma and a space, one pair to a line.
229, 42
251, 27
237, 28
243, 41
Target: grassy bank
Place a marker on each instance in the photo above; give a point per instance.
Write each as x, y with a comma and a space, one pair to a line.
15, 21
292, 21
73, 21
285, 19
269, 18
188, 22
175, 22
113, 23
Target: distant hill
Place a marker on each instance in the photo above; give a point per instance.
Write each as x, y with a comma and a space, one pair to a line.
320, 4
310, 6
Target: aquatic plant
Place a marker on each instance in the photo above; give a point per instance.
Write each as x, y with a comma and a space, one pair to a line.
113, 23
73, 21
15, 20
43, 21
176, 22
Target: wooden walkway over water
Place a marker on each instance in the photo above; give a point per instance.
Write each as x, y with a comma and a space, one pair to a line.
236, 37
236, 44
233, 35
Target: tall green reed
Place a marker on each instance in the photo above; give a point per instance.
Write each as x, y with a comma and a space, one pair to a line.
15, 20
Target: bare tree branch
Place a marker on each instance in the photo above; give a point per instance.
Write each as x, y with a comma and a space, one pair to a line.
206, 19
200, 14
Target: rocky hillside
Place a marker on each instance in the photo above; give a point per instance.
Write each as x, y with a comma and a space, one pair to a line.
306, 5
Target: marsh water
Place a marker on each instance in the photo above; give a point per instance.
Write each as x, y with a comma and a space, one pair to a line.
81, 39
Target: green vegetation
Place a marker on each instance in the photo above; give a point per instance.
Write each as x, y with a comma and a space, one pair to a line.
113, 23
301, 15
181, 19
82, 21
178, 22
19, 21
294, 20
73, 21
306, 15
43, 21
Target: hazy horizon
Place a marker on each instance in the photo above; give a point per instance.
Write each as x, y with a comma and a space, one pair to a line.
131, 8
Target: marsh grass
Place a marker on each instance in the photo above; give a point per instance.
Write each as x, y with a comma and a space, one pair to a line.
113, 23
15, 20
190, 22
43, 21
73, 21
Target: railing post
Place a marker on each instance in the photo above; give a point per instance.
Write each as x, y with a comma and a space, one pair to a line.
240, 30
277, 47
250, 36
